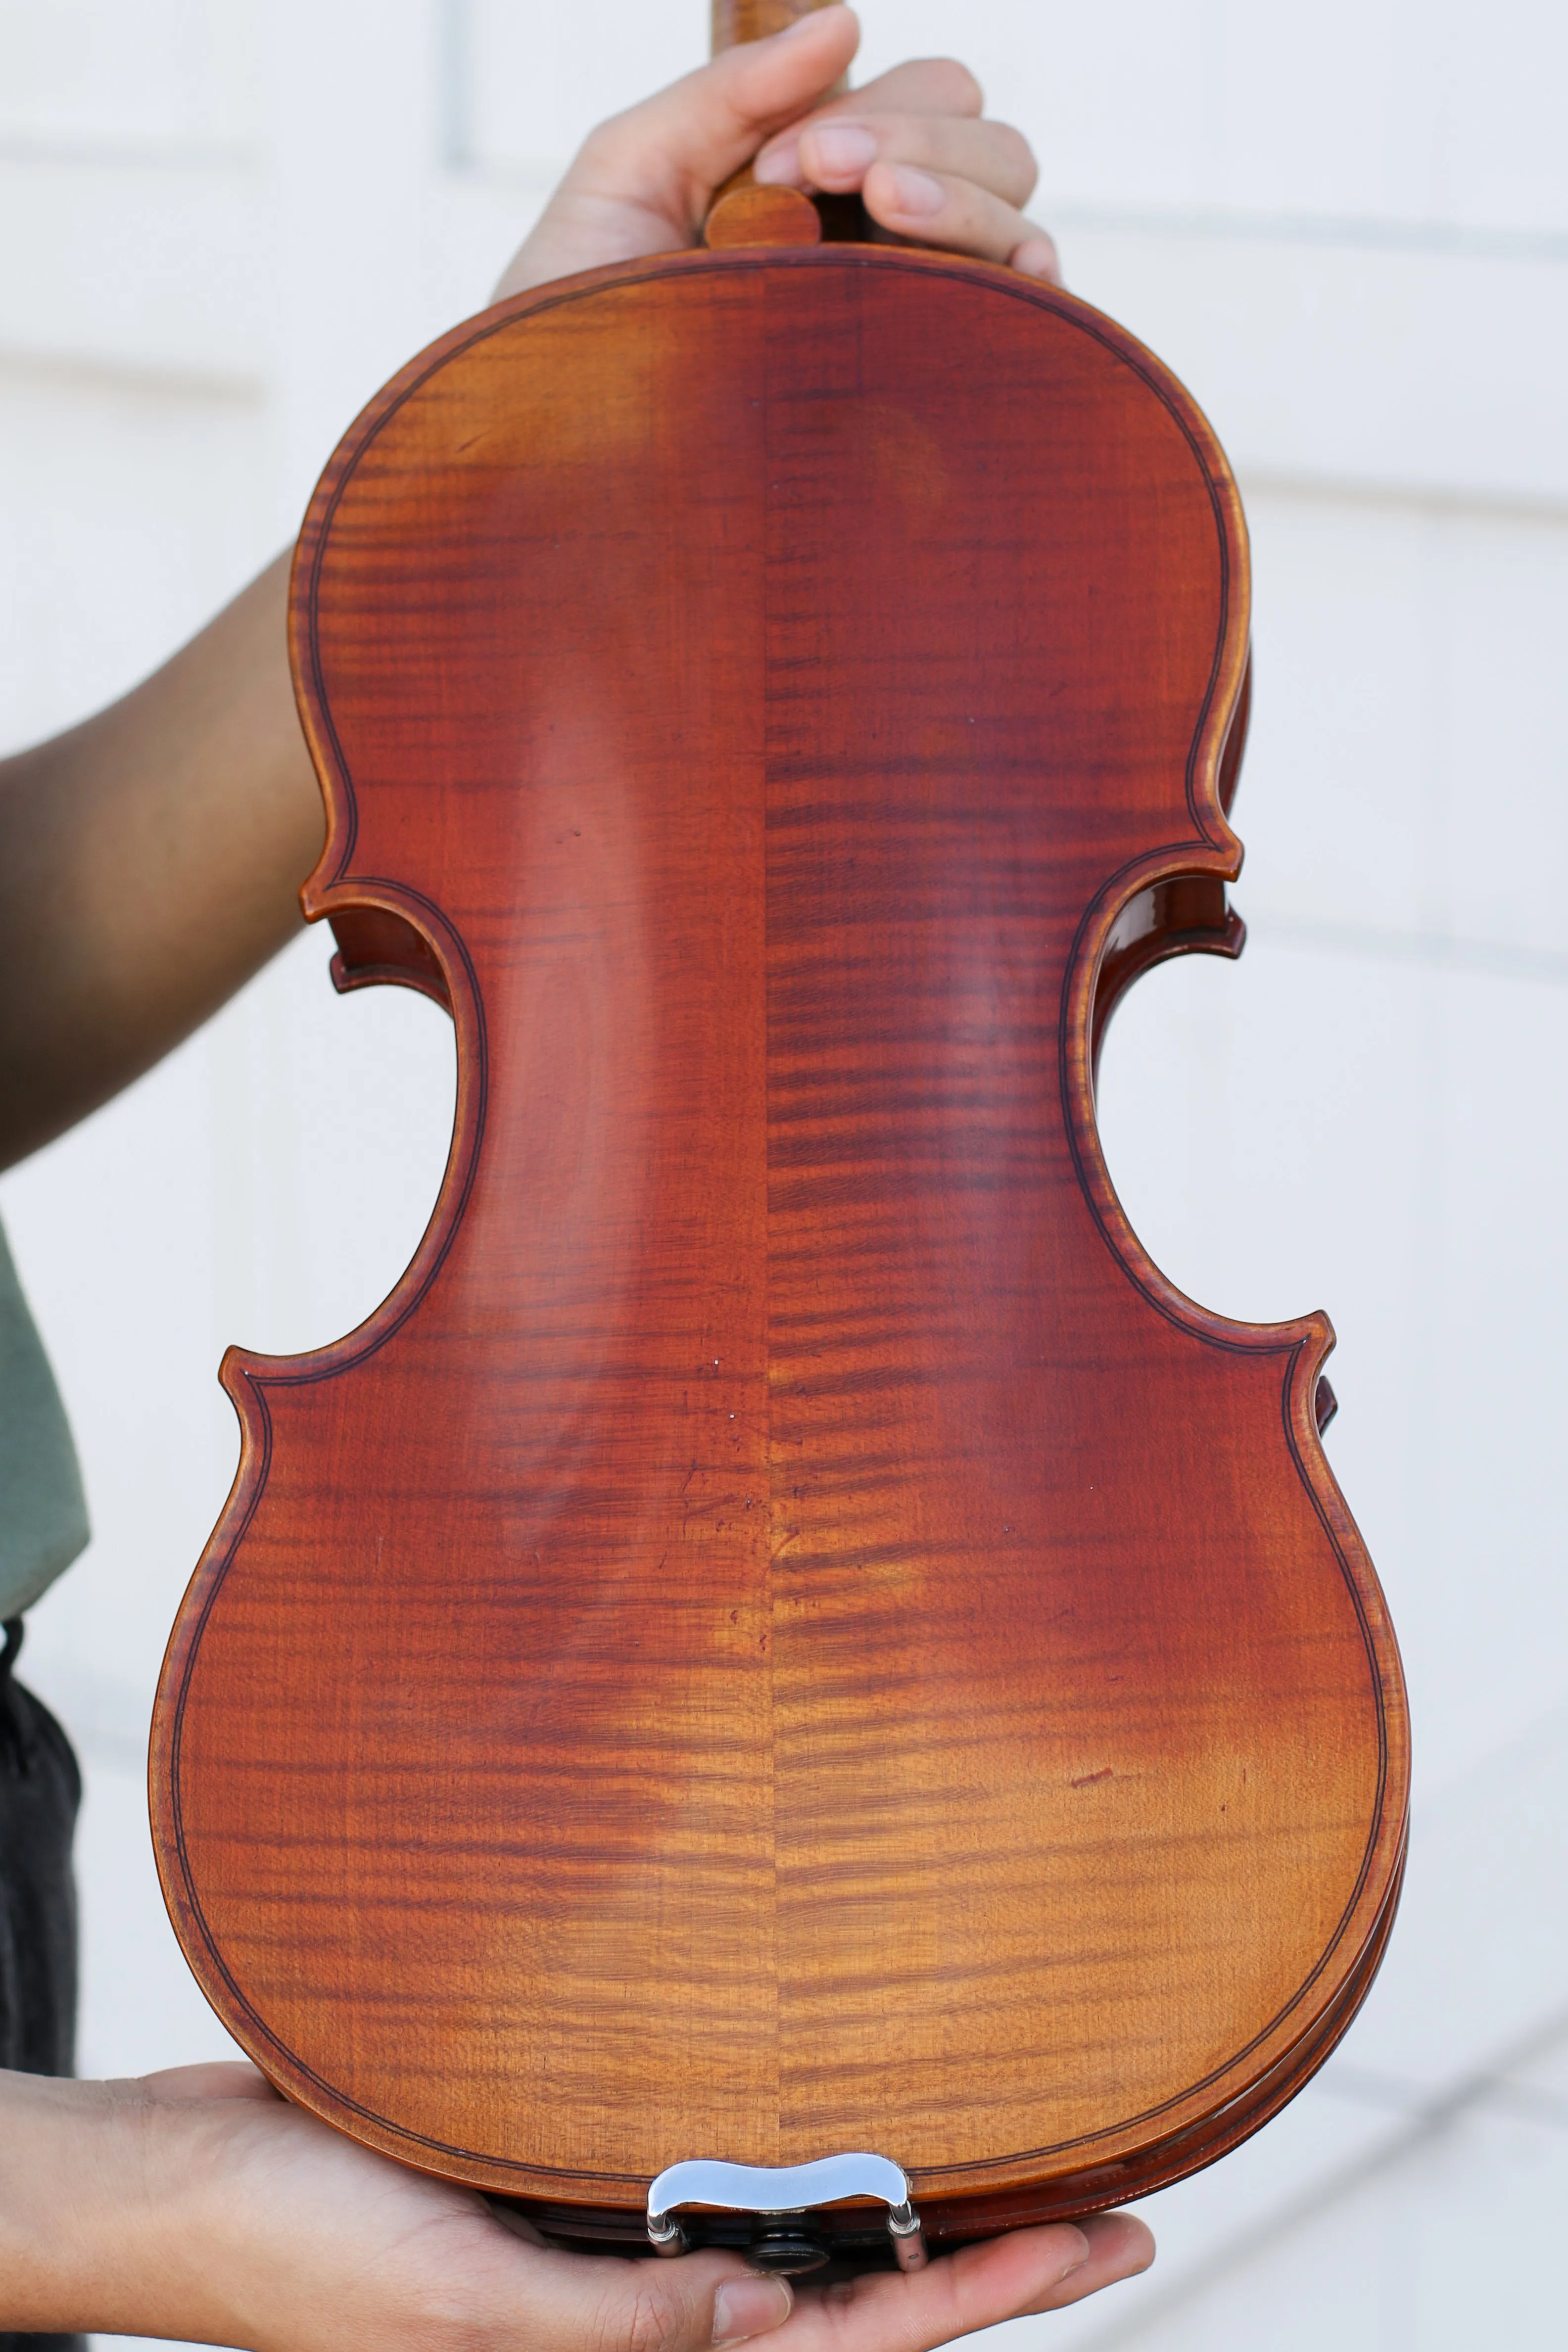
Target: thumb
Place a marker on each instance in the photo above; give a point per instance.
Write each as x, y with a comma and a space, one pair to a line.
700, 2302
642, 182
691, 136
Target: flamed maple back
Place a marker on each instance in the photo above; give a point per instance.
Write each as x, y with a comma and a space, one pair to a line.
784, 1633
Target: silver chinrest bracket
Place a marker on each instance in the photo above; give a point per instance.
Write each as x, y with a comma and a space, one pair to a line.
770, 2191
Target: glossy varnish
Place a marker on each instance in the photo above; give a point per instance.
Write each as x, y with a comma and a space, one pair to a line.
784, 1633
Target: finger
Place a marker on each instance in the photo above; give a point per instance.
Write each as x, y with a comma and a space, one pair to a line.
686, 140
515, 2224
918, 86
836, 151
1119, 2246
700, 2302
217, 2078
1037, 257
935, 208
915, 2311
938, 86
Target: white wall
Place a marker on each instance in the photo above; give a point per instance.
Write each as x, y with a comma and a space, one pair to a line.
221, 225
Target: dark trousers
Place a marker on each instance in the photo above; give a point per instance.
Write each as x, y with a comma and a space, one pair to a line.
40, 1788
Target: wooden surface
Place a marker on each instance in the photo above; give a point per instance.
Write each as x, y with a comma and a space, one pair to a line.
742, 213
784, 1633
734, 21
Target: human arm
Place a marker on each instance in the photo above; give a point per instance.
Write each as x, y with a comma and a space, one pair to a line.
197, 2205
149, 858
150, 862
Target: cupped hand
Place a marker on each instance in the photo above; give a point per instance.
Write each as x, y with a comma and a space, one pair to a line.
914, 144
290, 2238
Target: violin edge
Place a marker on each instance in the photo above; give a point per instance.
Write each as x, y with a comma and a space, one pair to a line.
954, 2210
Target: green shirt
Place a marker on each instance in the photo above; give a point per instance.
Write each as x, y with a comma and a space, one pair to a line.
43, 1512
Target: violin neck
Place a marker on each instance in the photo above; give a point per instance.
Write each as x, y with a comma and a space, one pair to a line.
735, 21
742, 213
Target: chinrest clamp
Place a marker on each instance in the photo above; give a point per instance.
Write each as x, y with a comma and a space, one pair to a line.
779, 2195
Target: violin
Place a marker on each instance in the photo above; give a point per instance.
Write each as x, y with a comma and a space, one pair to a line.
786, 1688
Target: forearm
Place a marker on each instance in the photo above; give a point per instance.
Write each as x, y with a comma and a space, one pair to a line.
93, 2214
150, 862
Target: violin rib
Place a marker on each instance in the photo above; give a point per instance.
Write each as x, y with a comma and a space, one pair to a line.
784, 1633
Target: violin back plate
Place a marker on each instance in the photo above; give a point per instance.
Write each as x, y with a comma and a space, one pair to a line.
784, 1633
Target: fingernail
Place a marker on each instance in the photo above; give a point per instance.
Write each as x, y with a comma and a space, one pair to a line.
915, 192
1075, 2262
841, 146
778, 166
750, 2306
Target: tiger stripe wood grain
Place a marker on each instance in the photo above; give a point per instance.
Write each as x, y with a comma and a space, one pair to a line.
784, 1633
